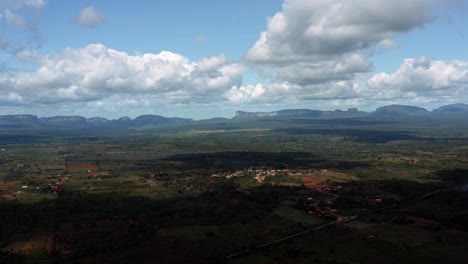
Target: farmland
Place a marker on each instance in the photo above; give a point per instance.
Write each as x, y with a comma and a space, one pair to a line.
395, 191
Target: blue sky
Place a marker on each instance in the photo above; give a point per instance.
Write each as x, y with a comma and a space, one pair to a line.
209, 58
228, 27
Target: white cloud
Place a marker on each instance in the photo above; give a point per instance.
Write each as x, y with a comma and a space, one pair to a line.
29, 56
290, 93
423, 81
312, 53
22, 3
15, 19
97, 72
422, 78
244, 93
23, 18
14, 97
199, 40
89, 17
319, 41
387, 44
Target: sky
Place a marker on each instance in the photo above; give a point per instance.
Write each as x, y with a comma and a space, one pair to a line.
209, 58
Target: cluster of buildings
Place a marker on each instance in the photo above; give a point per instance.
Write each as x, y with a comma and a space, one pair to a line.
259, 174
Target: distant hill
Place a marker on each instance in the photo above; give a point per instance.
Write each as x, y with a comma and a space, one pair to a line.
391, 110
16, 121
300, 113
72, 121
149, 120
32, 121
215, 119
98, 121
451, 109
287, 113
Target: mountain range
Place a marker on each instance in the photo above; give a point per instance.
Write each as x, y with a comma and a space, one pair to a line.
389, 110
18, 121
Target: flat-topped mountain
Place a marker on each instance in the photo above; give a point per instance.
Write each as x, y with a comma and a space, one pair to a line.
300, 113
287, 113
450, 109
389, 110
17, 119
79, 121
400, 110
25, 120
63, 120
148, 120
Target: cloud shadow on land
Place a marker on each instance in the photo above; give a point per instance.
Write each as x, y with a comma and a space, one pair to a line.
225, 161
357, 135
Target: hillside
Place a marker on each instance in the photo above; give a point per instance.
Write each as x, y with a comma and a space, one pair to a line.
450, 109
400, 110
17, 121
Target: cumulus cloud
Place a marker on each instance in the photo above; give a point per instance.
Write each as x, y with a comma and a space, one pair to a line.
319, 41
387, 44
97, 72
420, 81
311, 53
14, 97
284, 92
89, 17
245, 93
29, 56
423, 78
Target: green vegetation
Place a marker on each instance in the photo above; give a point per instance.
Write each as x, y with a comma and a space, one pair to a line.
204, 191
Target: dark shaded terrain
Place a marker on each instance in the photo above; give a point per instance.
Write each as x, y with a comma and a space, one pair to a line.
221, 191
242, 160
121, 228
363, 136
